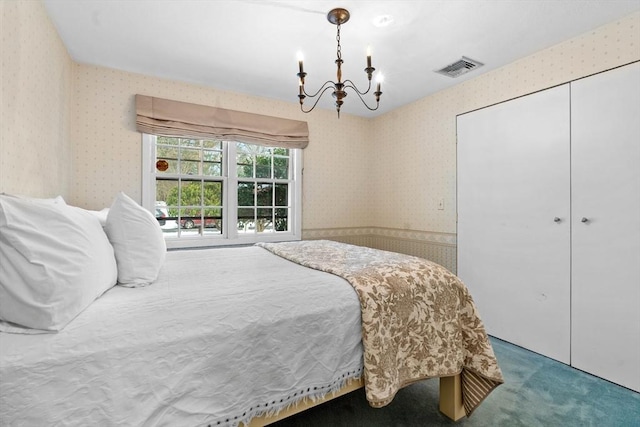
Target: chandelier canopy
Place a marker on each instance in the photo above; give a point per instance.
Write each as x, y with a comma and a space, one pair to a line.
338, 17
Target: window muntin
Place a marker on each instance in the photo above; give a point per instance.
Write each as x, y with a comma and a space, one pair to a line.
209, 192
190, 189
263, 188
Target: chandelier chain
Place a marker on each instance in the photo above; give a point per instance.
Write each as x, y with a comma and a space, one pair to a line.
339, 50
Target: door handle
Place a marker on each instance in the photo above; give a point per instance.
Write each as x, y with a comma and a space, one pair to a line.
556, 219
584, 219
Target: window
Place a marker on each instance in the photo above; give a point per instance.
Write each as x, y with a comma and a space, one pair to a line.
213, 192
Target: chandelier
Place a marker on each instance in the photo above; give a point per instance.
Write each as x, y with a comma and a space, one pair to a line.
338, 17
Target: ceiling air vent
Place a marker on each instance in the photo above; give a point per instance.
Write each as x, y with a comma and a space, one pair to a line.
460, 67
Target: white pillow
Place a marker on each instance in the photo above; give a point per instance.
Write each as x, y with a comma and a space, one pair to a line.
138, 242
57, 199
101, 215
55, 260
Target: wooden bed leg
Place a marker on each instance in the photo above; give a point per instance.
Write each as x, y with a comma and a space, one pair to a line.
451, 397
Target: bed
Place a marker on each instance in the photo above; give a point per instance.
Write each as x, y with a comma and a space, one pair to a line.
245, 336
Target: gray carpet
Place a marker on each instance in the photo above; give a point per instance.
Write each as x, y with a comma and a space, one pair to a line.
538, 391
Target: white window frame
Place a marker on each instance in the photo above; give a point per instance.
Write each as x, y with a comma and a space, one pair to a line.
229, 235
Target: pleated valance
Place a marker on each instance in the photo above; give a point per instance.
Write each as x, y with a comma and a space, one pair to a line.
165, 117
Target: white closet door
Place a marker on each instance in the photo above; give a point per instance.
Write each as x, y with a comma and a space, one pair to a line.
605, 162
513, 181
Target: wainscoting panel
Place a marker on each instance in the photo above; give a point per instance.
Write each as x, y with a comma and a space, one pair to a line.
436, 247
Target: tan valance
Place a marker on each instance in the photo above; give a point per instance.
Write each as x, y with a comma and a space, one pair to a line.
164, 117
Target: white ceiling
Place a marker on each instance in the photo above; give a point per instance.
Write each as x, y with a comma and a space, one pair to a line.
250, 46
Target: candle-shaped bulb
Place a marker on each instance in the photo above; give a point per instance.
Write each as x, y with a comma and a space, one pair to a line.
379, 79
300, 59
368, 56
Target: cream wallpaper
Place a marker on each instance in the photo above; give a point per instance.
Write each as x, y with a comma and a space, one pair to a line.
69, 129
419, 168
107, 147
35, 86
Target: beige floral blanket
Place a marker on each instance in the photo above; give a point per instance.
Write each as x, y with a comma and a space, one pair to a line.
418, 319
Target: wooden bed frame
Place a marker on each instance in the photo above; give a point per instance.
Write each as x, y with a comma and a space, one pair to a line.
450, 401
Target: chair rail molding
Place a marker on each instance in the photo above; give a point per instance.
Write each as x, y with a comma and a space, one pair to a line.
432, 245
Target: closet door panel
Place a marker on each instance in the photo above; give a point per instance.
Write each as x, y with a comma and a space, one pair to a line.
605, 164
513, 181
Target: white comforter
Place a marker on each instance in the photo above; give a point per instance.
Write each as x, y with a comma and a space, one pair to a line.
223, 335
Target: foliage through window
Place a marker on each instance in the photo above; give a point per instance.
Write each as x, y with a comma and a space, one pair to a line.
262, 188
221, 192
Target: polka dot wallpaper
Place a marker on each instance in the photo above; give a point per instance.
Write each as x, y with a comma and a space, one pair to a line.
35, 113
69, 129
107, 147
418, 169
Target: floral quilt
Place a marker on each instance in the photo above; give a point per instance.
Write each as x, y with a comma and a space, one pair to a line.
418, 319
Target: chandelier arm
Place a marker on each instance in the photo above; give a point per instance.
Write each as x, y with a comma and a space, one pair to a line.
317, 100
365, 102
352, 85
322, 89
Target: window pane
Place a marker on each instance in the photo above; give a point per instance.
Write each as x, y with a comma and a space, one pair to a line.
265, 214
190, 154
190, 164
282, 217
264, 194
264, 221
190, 213
167, 191
161, 213
241, 147
169, 155
212, 169
246, 220
191, 193
211, 156
263, 166
189, 167
212, 221
165, 206
190, 143
167, 140
212, 144
190, 218
282, 194
280, 167
212, 163
212, 193
167, 151
244, 165
245, 194
214, 215
189, 185
173, 215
